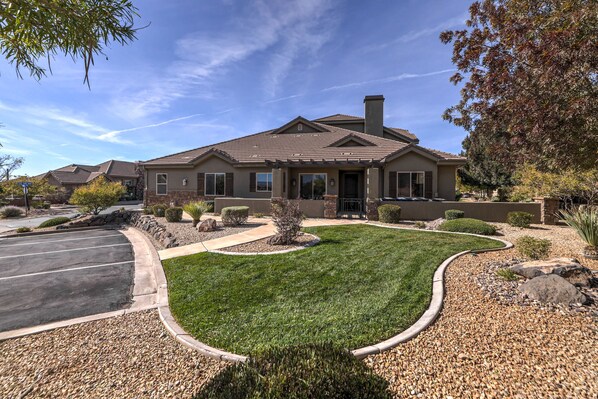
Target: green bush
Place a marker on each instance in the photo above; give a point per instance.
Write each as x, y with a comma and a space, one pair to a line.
258, 215
585, 223
533, 248
452, 214
159, 209
519, 219
420, 225
148, 210
174, 215
507, 274
389, 213
467, 225
234, 215
54, 222
309, 371
195, 210
23, 230
10, 212
207, 206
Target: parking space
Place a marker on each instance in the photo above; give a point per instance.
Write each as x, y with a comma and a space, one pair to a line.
60, 276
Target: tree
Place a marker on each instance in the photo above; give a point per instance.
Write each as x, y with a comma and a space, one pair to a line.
35, 30
39, 187
8, 165
529, 69
98, 195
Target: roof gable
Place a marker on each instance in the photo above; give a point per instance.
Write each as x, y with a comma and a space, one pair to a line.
299, 125
352, 140
413, 148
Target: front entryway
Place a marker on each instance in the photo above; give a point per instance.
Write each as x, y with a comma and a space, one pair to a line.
351, 192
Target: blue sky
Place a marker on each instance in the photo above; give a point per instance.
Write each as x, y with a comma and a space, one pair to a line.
207, 71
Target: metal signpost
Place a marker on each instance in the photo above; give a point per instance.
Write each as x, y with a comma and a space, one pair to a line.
26, 185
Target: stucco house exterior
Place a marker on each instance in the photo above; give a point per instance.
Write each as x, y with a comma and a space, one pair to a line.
335, 164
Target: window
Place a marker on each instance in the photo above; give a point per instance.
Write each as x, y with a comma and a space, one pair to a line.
410, 184
161, 183
312, 186
215, 183
263, 181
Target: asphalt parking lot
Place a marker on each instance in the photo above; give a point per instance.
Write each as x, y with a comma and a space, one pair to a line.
60, 276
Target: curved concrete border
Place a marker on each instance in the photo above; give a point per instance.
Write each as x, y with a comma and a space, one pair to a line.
311, 243
429, 316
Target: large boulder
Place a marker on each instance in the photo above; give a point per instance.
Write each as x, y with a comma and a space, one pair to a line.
207, 225
552, 289
567, 268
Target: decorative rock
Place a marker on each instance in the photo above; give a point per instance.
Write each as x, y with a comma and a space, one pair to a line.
568, 268
552, 289
207, 225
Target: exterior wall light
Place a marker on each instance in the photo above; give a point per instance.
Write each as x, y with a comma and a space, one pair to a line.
332, 182
293, 182
184, 181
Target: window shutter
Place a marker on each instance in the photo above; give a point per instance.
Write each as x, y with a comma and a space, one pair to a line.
201, 186
392, 184
252, 182
428, 183
229, 184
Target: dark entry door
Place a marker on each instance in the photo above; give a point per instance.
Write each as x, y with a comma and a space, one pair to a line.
351, 185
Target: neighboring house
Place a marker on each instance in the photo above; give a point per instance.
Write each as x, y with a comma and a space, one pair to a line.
72, 176
338, 163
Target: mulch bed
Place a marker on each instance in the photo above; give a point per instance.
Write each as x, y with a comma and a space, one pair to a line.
262, 246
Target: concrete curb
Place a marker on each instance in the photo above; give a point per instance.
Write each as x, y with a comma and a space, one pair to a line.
311, 243
429, 316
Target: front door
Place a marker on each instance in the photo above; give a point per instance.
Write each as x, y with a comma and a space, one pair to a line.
351, 185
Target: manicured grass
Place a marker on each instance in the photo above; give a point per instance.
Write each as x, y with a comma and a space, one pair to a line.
360, 285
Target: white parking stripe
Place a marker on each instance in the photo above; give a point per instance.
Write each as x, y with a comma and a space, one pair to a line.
63, 240
66, 270
2, 239
63, 250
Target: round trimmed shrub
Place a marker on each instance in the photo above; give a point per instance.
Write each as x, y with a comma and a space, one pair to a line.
148, 210
533, 248
23, 230
234, 215
159, 210
307, 371
467, 225
452, 214
54, 222
10, 212
519, 219
174, 215
389, 213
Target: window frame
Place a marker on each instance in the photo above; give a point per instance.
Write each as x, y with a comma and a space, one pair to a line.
205, 184
257, 189
162, 184
410, 172
312, 185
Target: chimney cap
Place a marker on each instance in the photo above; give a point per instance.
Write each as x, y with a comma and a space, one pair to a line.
376, 97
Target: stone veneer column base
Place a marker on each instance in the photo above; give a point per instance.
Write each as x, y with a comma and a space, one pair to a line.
371, 208
549, 209
330, 206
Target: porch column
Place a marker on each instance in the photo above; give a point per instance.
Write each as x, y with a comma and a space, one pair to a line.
372, 193
330, 206
276, 183
549, 209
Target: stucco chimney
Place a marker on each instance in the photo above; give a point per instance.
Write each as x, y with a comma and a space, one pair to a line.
374, 115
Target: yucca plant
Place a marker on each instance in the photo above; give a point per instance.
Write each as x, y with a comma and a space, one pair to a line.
585, 222
195, 210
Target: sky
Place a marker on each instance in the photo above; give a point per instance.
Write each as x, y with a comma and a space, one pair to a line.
202, 72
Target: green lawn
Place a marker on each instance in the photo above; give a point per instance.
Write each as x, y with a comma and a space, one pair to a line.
360, 285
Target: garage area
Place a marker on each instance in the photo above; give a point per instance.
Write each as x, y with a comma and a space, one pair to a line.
64, 275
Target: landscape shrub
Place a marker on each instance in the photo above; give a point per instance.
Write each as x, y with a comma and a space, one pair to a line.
10, 212
467, 225
159, 210
23, 230
519, 219
258, 215
54, 221
208, 206
195, 210
389, 213
288, 218
585, 223
148, 210
308, 371
98, 195
234, 215
507, 274
420, 225
452, 214
174, 215
533, 248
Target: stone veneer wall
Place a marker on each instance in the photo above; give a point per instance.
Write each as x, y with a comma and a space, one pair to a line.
371, 209
549, 209
147, 223
330, 206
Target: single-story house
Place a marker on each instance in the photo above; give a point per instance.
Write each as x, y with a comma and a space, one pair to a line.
334, 164
72, 176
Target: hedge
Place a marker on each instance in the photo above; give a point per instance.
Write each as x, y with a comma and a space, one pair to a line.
533, 248
519, 219
234, 215
54, 222
174, 215
389, 213
467, 225
452, 214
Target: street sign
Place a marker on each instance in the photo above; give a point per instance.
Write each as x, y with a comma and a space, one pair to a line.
25, 184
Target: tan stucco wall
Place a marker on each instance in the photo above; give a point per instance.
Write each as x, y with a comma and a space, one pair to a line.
411, 162
446, 182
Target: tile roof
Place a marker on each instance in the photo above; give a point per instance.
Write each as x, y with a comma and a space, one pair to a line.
339, 117
81, 174
268, 147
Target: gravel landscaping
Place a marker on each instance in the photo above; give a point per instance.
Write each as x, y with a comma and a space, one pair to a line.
262, 246
129, 356
482, 348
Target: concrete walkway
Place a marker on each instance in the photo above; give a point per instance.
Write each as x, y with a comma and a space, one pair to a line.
258, 233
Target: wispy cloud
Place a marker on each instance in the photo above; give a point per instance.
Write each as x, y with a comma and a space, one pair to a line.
112, 135
388, 79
